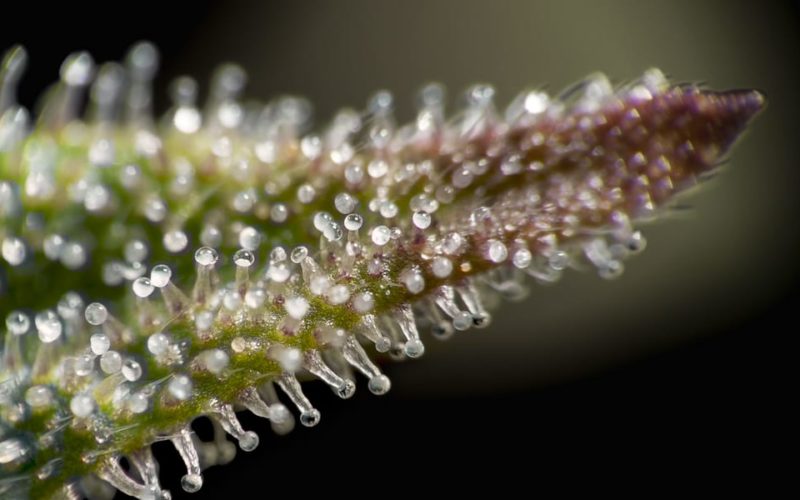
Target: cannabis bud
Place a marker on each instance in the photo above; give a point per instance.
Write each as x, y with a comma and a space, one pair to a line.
158, 270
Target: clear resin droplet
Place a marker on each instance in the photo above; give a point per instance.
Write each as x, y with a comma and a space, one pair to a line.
363, 302
70, 306
441, 267
111, 362
248, 441
12, 450
135, 251
344, 203
244, 258
296, 307
142, 287
96, 313
82, 405
180, 387
381, 235
522, 258
216, 360
497, 251
48, 326
413, 281
191, 483
160, 275
99, 343
18, 322
338, 294
39, 396
131, 370
249, 238
158, 343
13, 250
414, 349
462, 321
353, 222
206, 256
347, 389
379, 385
310, 418
422, 220
175, 241
138, 403
299, 254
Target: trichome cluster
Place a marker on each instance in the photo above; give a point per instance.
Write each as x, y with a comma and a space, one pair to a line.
156, 270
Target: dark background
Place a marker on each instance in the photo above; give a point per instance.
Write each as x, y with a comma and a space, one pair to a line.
681, 369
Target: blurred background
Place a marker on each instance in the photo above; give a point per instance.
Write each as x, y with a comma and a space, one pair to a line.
687, 355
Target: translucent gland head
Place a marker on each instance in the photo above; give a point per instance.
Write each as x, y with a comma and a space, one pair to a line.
306, 193
522, 258
414, 348
379, 385
255, 298
421, 220
96, 314
142, 287
204, 320
381, 235
39, 396
99, 343
290, 358
160, 275
211, 236
52, 245
48, 326
413, 280
13, 451
462, 321
82, 405
17, 322
131, 370
363, 302
180, 387
279, 212
244, 258
249, 238
299, 254
13, 250
111, 362
345, 203
441, 267
248, 441
338, 294
215, 360
70, 306
496, 251
206, 256
346, 389
296, 307
157, 344
137, 403
192, 483
175, 241
353, 222
73, 255
310, 418
279, 413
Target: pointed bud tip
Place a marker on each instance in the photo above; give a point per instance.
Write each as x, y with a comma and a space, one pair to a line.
747, 103
757, 101
720, 118
739, 108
